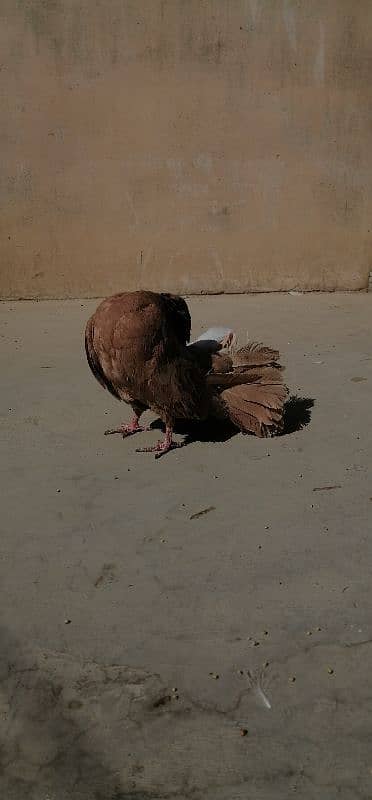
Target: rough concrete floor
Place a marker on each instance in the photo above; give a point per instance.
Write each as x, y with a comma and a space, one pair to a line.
119, 611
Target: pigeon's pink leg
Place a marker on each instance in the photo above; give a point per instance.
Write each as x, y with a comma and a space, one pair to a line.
128, 429
162, 447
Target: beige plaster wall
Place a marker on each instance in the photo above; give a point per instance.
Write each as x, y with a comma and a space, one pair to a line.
186, 145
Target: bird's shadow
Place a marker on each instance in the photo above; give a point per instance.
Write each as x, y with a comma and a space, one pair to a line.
297, 415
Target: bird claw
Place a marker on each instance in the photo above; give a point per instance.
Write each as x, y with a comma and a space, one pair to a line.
160, 448
127, 430
172, 446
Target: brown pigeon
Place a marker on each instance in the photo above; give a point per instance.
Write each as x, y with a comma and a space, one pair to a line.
137, 347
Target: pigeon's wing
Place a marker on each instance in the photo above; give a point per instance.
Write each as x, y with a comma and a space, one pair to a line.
136, 348
122, 338
95, 357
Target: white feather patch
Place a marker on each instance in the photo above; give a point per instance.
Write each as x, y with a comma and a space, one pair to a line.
214, 335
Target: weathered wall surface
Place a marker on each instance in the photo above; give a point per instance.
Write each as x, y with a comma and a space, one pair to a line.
187, 145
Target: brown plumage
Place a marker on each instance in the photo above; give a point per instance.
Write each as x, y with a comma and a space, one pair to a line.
136, 346
250, 392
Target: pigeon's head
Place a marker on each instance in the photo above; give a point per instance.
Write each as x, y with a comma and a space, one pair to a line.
180, 315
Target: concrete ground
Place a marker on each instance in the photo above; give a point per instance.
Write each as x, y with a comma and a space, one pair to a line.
128, 615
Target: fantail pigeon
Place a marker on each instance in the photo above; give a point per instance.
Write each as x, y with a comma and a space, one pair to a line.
137, 348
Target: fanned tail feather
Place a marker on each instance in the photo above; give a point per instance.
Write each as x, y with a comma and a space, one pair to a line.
253, 363
255, 354
261, 375
256, 407
249, 386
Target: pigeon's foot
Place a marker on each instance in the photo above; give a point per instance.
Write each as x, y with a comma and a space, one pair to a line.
162, 447
128, 429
